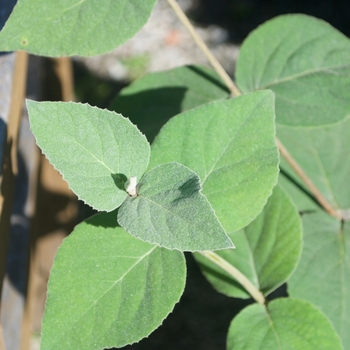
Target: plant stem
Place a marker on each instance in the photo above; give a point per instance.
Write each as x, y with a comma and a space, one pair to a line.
235, 92
300, 172
201, 44
236, 274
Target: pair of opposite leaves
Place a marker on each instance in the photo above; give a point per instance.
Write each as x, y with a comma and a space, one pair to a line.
105, 149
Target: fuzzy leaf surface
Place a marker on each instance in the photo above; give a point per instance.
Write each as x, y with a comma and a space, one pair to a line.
108, 289
268, 249
96, 150
324, 155
171, 211
73, 27
230, 144
305, 61
150, 101
288, 324
323, 274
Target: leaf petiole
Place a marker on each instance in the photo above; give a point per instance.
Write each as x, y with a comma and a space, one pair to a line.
236, 274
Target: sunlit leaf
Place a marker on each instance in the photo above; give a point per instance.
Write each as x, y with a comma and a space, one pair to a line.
230, 144
285, 324
73, 27
171, 211
108, 289
267, 250
306, 62
96, 150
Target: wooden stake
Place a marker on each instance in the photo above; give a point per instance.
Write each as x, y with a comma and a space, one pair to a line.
10, 168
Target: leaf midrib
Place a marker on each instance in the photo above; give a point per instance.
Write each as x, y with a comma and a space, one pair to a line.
93, 156
231, 140
302, 75
273, 328
72, 326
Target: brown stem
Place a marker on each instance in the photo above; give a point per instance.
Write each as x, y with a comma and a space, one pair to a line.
235, 92
202, 45
2, 341
300, 172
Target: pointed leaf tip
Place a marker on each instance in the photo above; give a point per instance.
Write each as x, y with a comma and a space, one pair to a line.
95, 150
171, 211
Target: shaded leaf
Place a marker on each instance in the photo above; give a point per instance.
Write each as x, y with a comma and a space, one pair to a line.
230, 144
323, 274
150, 101
300, 194
285, 324
323, 153
305, 62
72, 27
268, 249
96, 150
108, 289
170, 211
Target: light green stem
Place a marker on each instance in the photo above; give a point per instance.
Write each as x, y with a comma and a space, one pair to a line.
236, 274
201, 44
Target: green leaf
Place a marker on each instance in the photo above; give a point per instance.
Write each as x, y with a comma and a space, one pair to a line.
108, 289
72, 27
286, 323
267, 253
301, 196
306, 62
170, 211
323, 153
323, 274
150, 101
230, 144
97, 151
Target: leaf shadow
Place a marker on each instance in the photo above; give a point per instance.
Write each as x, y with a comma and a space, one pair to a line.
210, 78
104, 219
189, 189
150, 109
119, 180
305, 191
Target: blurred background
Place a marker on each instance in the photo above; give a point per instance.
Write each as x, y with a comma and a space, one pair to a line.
37, 209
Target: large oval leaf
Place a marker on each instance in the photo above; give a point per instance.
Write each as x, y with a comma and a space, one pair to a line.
150, 101
171, 211
323, 274
95, 150
323, 153
230, 144
285, 324
73, 27
108, 289
305, 62
267, 253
